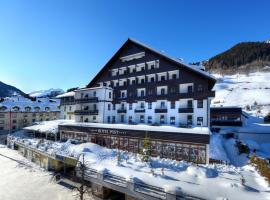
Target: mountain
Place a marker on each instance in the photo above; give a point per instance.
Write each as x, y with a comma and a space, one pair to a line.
46, 93
243, 57
8, 90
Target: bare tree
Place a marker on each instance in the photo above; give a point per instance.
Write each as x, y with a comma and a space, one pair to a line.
82, 189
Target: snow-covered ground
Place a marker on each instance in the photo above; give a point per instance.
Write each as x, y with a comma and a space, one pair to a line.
205, 181
23, 180
242, 90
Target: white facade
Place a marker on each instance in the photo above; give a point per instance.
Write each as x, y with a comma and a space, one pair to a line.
96, 105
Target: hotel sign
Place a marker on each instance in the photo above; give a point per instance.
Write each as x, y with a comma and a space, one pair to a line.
108, 131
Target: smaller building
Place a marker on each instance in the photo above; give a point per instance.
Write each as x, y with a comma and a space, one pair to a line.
18, 112
226, 116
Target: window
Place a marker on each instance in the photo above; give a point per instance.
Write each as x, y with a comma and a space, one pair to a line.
122, 118
133, 82
130, 119
123, 94
122, 106
149, 120
152, 79
113, 119
189, 120
94, 118
109, 106
162, 119
200, 104
199, 121
142, 93
65, 108
86, 120
142, 81
190, 89
130, 106
162, 104
113, 106
173, 90
109, 119
142, 105
95, 106
172, 105
174, 76
150, 105
162, 78
141, 118
172, 120
69, 108
162, 91
33, 120
95, 94
110, 95
189, 104
14, 121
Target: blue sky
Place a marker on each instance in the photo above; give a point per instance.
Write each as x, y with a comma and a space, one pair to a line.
62, 43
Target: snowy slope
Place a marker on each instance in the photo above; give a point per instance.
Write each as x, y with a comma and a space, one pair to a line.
46, 93
242, 90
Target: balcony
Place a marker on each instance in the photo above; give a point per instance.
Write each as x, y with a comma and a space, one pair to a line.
185, 110
139, 110
87, 100
62, 103
161, 110
86, 112
121, 111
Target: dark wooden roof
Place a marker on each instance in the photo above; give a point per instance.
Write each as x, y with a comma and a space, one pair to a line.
211, 79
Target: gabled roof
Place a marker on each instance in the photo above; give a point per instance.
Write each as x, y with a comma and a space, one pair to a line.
174, 60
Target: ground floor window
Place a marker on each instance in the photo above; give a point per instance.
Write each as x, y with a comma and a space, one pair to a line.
149, 120
199, 121
189, 120
141, 118
162, 119
172, 120
122, 118
130, 119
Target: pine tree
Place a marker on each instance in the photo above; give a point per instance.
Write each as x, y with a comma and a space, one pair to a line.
146, 151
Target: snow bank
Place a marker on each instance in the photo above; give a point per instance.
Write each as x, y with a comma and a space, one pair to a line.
206, 181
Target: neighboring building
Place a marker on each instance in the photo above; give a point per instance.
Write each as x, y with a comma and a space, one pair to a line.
18, 112
226, 116
140, 85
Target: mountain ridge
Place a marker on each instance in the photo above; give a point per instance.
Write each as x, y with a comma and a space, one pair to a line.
243, 57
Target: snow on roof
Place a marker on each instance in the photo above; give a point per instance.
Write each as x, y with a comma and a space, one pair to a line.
93, 88
50, 127
176, 60
22, 103
143, 127
67, 94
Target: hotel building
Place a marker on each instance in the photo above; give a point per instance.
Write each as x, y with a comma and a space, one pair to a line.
140, 85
